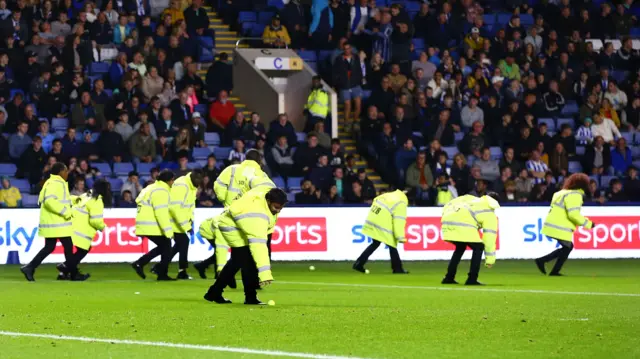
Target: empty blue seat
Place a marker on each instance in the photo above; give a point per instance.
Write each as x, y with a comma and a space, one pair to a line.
496, 152
575, 167
202, 109
450, 150
412, 6
458, 136
279, 182
629, 137
30, 200
222, 152
206, 41
324, 56
551, 123
104, 168
122, 168
116, 184
294, 182
308, 55
313, 66
205, 54
96, 68
503, 19
571, 108
301, 136
489, 19
21, 184
278, 4
418, 43
580, 150
568, 121
264, 17
246, 28
59, 124
606, 180
193, 165
636, 164
257, 30
7, 169
201, 153
635, 152
144, 169
366, 94
526, 20
247, 16
13, 92
212, 138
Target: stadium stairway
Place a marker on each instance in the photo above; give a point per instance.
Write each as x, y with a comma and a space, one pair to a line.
349, 146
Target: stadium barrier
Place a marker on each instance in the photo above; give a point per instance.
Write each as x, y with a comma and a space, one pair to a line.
333, 234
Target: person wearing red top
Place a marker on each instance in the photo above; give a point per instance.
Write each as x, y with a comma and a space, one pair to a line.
221, 112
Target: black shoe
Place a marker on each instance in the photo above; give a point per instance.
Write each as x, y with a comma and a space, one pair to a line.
402, 271
28, 273
540, 265
472, 282
216, 298
254, 302
139, 270
358, 267
556, 274
449, 281
62, 268
184, 275
154, 269
233, 284
79, 277
165, 278
63, 276
202, 270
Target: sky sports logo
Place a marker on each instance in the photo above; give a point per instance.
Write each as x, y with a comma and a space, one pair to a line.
293, 234
609, 233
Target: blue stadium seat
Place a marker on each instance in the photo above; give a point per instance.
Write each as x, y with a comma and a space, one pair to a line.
575, 167
580, 150
301, 136
257, 30
291, 197
489, 19
104, 168
203, 109
122, 168
201, 153
246, 28
30, 200
279, 182
605, 180
526, 20
144, 169
450, 150
212, 138
193, 165
207, 41
222, 153
457, 137
278, 4
551, 123
496, 152
247, 16
636, 164
366, 94
7, 169
569, 121
116, 184
13, 92
308, 55
108, 92
96, 68
635, 32
21, 184
205, 54
635, 152
294, 183
59, 124
324, 56
264, 17
412, 6
571, 108
503, 18
418, 43
313, 66
629, 137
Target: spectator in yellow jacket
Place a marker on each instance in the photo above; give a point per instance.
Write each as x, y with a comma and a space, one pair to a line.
474, 40
276, 34
175, 10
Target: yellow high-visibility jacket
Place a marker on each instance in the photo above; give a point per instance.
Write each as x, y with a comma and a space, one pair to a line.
387, 218
210, 231
55, 209
236, 180
270, 35
182, 204
564, 215
318, 103
264, 184
464, 216
246, 223
153, 217
88, 218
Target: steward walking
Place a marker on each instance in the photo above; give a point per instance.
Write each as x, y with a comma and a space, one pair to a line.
237, 180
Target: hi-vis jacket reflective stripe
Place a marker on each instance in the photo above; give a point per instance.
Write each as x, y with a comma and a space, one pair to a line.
235, 181
318, 103
246, 223
88, 218
182, 204
153, 217
210, 231
264, 184
464, 216
55, 209
564, 215
387, 218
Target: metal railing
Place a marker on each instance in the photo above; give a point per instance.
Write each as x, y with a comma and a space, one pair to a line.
240, 40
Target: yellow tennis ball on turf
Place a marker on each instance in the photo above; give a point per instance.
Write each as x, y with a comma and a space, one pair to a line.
312, 268
271, 302
366, 271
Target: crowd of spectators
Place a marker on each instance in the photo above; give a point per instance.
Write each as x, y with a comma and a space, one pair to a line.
441, 96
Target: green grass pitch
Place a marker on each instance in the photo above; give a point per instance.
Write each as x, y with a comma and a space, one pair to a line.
593, 312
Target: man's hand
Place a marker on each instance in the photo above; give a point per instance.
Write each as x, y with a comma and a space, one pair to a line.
265, 283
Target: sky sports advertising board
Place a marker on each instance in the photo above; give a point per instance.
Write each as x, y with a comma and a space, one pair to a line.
336, 234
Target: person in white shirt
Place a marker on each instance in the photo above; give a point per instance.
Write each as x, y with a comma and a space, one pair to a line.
606, 128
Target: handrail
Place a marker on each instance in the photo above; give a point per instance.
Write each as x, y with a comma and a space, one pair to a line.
254, 38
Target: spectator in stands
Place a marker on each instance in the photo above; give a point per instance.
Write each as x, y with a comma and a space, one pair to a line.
307, 155
46, 136
234, 130
197, 20
565, 136
123, 127
143, 117
237, 153
254, 130
508, 68
553, 100
632, 185
180, 109
347, 78
559, 160
420, 177
70, 144
525, 144
590, 107
79, 187
621, 157
584, 135
509, 160
51, 101
182, 142
282, 127
219, 76
283, 157
594, 194
324, 140
615, 192
383, 98
385, 149
196, 131
19, 141
121, 31
524, 185
275, 34
309, 195
32, 162
88, 149
489, 169
167, 126
355, 195
537, 169
221, 112
142, 147
127, 200
606, 128
368, 188
56, 151
474, 141
85, 110
321, 175
10, 196
111, 145
152, 84
471, 113
132, 185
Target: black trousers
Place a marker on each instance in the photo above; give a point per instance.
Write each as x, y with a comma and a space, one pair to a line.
241, 259
162, 249
211, 260
396, 263
49, 247
476, 259
269, 244
78, 256
562, 254
181, 245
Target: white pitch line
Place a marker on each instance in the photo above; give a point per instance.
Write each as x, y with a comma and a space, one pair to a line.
176, 345
470, 289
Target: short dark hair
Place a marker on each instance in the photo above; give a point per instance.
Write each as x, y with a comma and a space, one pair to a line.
254, 155
166, 176
224, 56
133, 173
276, 195
197, 173
58, 167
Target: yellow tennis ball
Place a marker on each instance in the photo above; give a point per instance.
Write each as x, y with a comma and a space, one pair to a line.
271, 302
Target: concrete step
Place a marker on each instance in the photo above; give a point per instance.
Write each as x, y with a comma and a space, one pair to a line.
218, 26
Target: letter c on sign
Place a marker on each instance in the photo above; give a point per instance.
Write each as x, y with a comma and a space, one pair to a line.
277, 63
